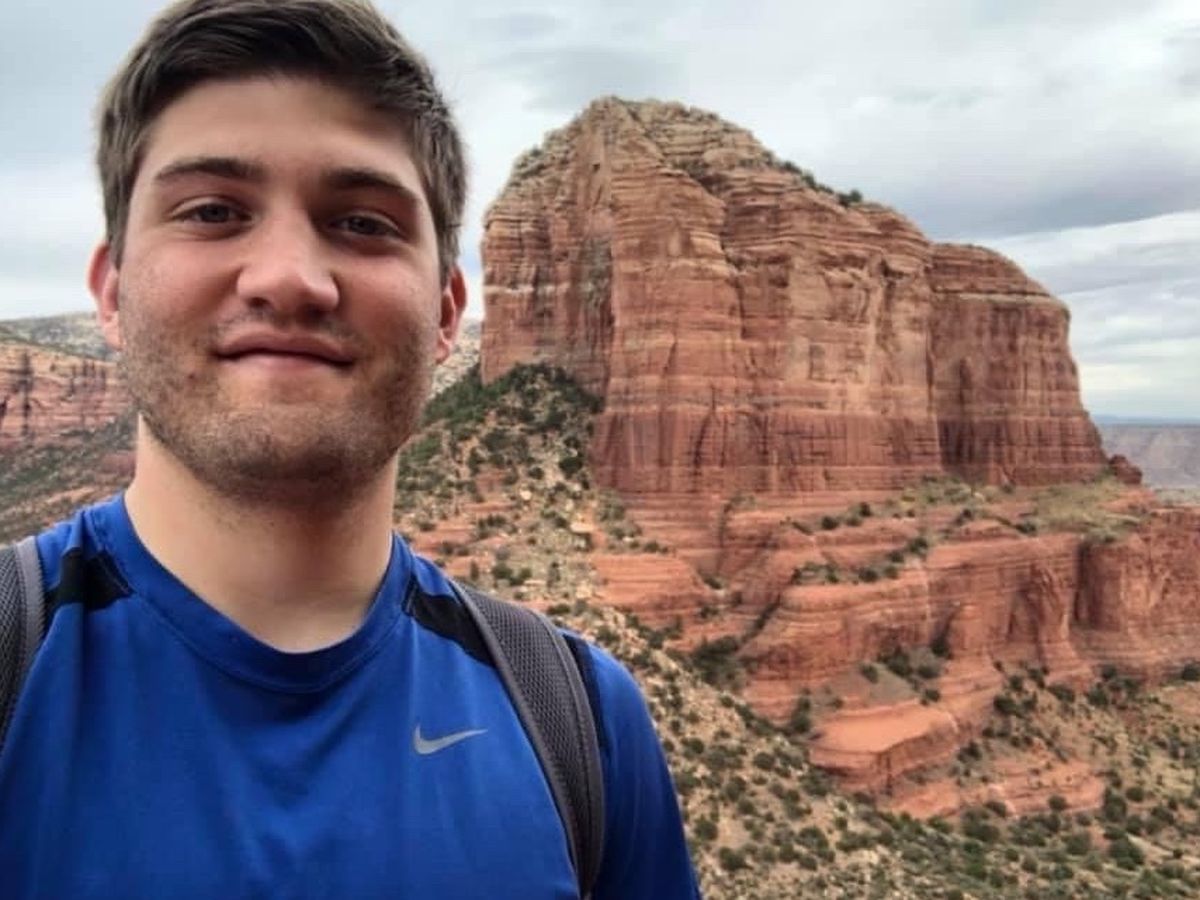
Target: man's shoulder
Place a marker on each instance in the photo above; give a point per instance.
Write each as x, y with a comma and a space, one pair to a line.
607, 676
79, 535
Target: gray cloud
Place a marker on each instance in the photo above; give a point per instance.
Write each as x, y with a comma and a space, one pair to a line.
1117, 187
1134, 293
1184, 48
522, 26
565, 79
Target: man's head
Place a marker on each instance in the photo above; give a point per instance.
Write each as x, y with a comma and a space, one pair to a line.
283, 185
345, 43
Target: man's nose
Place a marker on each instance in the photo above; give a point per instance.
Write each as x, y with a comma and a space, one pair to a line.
287, 268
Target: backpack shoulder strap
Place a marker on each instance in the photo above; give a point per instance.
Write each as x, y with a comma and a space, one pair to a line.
547, 689
22, 621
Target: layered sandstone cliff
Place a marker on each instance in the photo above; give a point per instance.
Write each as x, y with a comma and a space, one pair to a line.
47, 396
750, 331
771, 355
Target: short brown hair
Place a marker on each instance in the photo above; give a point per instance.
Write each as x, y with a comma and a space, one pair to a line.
344, 42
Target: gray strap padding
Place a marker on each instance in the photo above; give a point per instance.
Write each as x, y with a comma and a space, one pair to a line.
22, 621
548, 692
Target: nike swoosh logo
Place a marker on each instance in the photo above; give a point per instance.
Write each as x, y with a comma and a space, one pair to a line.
425, 746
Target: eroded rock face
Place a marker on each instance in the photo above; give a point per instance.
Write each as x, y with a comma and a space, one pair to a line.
749, 332
756, 338
45, 395
1138, 604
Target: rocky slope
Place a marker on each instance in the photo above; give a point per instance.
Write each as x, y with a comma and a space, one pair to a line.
1053, 791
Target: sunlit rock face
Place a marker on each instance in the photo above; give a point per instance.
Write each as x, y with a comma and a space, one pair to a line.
751, 332
47, 396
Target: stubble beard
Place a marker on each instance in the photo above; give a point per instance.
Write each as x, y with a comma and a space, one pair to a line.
275, 454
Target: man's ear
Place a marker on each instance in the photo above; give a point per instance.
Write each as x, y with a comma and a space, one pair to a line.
103, 280
453, 302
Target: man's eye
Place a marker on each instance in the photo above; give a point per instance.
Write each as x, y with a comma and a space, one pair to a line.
211, 214
367, 226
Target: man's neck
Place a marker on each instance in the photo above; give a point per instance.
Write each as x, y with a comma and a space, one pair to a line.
298, 577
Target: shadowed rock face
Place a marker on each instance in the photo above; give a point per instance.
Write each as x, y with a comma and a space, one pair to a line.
749, 332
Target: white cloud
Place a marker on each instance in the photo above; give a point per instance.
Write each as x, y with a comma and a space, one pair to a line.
1134, 293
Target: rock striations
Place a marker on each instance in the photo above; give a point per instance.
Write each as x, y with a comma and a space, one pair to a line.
774, 360
48, 395
751, 331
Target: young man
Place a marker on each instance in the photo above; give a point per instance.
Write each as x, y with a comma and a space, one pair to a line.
250, 687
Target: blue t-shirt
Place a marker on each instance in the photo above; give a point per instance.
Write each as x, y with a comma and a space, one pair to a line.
158, 750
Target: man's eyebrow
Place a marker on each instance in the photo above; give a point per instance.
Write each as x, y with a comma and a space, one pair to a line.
218, 166
351, 178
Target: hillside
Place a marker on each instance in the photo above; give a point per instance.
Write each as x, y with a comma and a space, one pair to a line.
74, 333
1065, 793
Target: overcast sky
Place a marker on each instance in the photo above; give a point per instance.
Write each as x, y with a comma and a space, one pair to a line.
1065, 134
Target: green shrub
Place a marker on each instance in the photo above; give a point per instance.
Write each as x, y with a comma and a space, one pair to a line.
980, 830
570, 464
1114, 807
1078, 843
764, 761
919, 546
898, 662
1005, 705
717, 663
731, 860
1126, 854
705, 829
1063, 692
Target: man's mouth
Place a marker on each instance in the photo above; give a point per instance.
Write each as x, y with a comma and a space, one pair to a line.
284, 347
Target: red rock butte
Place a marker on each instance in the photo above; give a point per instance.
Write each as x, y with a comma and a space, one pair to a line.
768, 352
750, 331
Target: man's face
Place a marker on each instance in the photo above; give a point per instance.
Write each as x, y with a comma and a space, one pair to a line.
278, 302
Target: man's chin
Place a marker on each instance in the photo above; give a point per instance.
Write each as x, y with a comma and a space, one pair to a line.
290, 454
